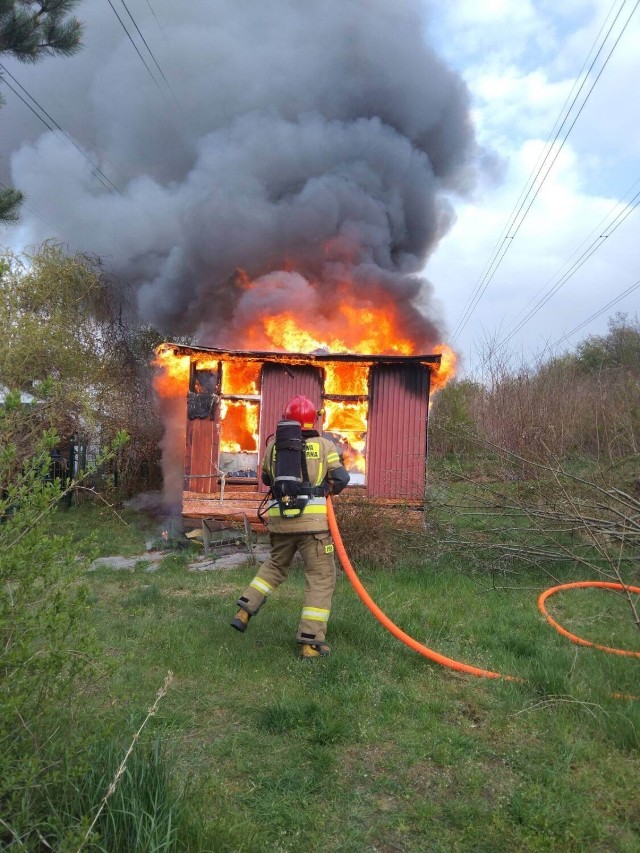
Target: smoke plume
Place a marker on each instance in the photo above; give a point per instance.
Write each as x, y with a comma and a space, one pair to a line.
304, 143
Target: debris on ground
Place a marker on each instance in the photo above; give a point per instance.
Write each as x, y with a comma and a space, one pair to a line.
230, 561
151, 561
148, 562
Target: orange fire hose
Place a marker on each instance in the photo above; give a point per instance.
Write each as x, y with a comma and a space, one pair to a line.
581, 585
388, 624
458, 666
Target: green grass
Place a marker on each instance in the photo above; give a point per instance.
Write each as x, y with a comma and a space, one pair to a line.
376, 748
146, 811
100, 532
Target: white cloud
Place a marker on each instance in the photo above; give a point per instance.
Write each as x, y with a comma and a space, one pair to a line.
521, 63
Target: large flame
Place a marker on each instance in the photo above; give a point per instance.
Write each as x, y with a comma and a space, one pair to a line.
347, 423
346, 420
241, 377
347, 378
353, 328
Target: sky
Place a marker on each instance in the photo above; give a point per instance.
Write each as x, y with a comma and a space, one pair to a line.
521, 62
404, 136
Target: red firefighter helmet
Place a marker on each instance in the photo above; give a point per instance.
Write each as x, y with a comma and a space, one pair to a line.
301, 409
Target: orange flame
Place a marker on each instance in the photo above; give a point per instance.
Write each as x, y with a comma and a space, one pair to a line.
240, 377
347, 421
354, 326
447, 370
172, 376
238, 426
347, 378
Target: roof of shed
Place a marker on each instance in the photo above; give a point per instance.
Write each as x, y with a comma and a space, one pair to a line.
307, 358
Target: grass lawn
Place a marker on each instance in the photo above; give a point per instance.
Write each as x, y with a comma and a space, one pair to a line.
375, 748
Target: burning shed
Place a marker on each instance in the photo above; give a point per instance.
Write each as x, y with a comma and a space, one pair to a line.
375, 410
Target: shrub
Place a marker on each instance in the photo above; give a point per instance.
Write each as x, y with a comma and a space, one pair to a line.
46, 641
373, 534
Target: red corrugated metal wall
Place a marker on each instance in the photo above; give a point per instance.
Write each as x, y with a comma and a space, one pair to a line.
397, 427
281, 382
397, 431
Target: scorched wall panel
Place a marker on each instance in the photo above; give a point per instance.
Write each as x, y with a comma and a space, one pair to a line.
201, 456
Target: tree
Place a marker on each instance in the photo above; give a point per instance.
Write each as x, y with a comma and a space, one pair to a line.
69, 339
30, 30
619, 348
52, 324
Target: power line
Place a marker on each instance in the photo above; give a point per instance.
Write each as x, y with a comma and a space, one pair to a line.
502, 245
135, 46
146, 44
597, 314
520, 211
602, 226
106, 182
34, 211
157, 21
144, 41
575, 266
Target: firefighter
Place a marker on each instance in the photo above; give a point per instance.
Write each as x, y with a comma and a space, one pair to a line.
305, 530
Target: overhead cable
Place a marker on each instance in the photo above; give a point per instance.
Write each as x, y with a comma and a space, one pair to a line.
151, 9
146, 45
135, 46
575, 266
55, 128
144, 41
548, 159
597, 314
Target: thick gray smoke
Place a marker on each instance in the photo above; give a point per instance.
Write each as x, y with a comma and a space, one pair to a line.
305, 143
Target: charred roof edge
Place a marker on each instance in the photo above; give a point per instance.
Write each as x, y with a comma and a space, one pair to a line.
310, 358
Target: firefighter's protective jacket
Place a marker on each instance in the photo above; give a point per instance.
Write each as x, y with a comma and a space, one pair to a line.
326, 476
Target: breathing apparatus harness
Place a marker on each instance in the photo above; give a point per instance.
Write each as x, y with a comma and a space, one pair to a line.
291, 486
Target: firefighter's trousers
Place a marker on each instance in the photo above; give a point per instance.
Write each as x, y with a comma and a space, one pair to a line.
316, 550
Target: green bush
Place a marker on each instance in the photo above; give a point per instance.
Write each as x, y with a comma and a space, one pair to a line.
46, 640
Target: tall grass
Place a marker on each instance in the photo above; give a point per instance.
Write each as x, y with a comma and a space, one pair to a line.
586, 403
147, 810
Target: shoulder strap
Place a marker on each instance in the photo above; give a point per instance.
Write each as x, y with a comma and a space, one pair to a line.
303, 463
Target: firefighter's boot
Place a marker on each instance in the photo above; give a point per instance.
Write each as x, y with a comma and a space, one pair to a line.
315, 650
241, 620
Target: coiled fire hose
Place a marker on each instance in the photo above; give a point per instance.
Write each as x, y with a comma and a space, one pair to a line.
458, 666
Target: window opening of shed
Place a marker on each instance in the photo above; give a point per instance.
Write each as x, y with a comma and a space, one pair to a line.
346, 404
239, 419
